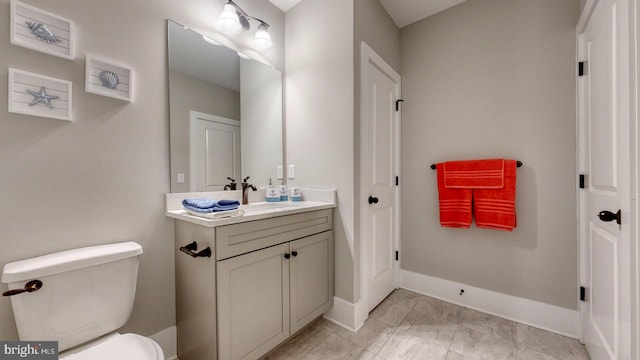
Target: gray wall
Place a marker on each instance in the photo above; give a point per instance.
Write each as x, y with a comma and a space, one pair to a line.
322, 108
102, 177
319, 115
494, 78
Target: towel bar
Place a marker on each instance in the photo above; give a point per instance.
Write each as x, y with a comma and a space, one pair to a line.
518, 164
190, 249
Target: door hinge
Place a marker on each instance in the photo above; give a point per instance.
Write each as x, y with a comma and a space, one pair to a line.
583, 293
397, 255
581, 182
398, 104
397, 180
581, 68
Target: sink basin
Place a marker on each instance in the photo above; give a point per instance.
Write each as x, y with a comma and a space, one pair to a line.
266, 206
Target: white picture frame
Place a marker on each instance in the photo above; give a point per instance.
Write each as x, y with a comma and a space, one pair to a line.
41, 30
27, 97
123, 75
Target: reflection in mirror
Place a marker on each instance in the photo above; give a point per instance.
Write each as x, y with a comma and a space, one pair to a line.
225, 114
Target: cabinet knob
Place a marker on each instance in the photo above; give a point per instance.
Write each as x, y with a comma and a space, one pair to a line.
294, 253
287, 256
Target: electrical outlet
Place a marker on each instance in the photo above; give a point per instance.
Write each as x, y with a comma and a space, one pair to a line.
292, 172
180, 178
280, 172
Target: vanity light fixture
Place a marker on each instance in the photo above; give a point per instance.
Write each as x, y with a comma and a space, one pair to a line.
234, 20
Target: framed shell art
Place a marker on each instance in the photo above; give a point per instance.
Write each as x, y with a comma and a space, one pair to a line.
40, 30
39, 95
106, 78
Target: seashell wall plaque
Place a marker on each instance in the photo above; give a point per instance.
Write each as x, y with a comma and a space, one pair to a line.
39, 95
41, 30
107, 78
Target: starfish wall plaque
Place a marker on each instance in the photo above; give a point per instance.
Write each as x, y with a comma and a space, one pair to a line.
41, 97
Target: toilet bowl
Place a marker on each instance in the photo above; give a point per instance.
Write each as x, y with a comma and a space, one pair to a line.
83, 296
116, 346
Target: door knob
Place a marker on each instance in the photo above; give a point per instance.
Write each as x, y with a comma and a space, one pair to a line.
373, 200
607, 216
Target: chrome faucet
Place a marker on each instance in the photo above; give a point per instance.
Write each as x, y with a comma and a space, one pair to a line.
245, 190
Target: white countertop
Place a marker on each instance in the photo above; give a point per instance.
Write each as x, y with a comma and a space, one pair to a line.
313, 199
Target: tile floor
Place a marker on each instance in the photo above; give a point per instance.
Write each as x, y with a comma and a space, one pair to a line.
411, 326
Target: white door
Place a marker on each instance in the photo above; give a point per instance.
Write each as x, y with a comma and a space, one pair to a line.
215, 151
379, 195
604, 136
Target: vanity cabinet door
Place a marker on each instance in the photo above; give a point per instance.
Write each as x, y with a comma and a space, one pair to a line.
311, 278
253, 303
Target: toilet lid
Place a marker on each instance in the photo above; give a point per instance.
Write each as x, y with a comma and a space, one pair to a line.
121, 347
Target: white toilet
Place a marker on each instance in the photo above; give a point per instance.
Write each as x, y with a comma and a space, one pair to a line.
86, 294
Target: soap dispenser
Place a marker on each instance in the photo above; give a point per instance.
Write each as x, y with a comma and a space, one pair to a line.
284, 195
273, 194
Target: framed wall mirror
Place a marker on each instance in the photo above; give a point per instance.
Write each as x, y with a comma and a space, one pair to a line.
225, 114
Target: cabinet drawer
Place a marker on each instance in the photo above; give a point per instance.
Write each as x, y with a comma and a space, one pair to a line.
237, 239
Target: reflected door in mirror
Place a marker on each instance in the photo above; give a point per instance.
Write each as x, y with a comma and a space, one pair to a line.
215, 151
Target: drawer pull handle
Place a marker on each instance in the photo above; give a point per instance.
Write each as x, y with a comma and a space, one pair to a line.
190, 249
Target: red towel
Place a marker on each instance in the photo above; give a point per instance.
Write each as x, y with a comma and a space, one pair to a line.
474, 174
496, 208
455, 204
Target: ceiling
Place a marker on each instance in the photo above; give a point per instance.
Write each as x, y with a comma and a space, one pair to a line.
403, 12
285, 5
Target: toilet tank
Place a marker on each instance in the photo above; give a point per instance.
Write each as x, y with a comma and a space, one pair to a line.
85, 293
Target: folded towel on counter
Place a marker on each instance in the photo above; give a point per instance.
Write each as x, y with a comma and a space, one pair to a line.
217, 214
455, 204
496, 208
206, 205
474, 174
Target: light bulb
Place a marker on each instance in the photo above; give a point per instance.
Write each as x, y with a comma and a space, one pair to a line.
228, 21
262, 39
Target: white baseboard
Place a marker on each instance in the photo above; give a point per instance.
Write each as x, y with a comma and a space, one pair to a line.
167, 339
344, 313
540, 315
